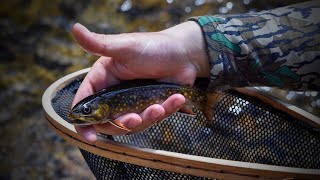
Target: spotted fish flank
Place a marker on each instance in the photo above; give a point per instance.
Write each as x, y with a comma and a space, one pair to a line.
279, 47
134, 97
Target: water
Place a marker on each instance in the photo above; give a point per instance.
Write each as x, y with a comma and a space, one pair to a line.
37, 48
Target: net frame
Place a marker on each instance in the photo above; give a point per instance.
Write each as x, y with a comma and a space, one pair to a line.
177, 162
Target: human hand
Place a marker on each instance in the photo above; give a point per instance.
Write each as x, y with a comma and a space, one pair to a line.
176, 55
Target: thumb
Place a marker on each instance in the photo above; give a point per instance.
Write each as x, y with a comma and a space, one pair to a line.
88, 132
101, 44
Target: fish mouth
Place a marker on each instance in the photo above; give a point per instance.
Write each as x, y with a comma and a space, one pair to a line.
75, 120
85, 120
79, 122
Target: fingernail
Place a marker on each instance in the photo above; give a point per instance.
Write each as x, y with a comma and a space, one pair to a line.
129, 123
156, 115
91, 137
82, 27
177, 103
88, 133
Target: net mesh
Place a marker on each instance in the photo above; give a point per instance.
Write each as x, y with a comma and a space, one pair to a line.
244, 129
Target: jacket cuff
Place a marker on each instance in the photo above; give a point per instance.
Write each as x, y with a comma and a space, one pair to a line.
217, 48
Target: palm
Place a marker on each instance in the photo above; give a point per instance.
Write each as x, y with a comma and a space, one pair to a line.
153, 56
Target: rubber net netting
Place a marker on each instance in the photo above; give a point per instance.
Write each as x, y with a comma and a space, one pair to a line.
244, 129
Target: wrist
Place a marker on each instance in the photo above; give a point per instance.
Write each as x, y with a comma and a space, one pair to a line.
190, 36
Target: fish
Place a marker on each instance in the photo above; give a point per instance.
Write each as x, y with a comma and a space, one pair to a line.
135, 96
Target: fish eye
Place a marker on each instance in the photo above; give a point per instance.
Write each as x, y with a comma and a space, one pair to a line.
86, 110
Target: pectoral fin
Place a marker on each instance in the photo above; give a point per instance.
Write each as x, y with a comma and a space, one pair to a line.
118, 124
187, 109
186, 114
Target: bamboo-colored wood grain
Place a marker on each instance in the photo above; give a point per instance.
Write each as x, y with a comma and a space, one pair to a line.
165, 160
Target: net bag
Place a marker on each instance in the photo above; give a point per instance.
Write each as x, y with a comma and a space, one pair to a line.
251, 136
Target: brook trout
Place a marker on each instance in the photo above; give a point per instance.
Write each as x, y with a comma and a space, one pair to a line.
132, 97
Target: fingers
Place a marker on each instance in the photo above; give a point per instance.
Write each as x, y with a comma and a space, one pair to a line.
150, 116
101, 44
88, 132
135, 122
173, 104
86, 40
156, 113
130, 121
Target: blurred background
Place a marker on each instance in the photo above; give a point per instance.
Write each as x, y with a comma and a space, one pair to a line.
37, 48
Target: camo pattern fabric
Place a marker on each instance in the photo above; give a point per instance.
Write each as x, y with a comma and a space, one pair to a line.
276, 48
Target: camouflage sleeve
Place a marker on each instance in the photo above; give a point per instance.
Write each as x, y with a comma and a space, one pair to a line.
276, 48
